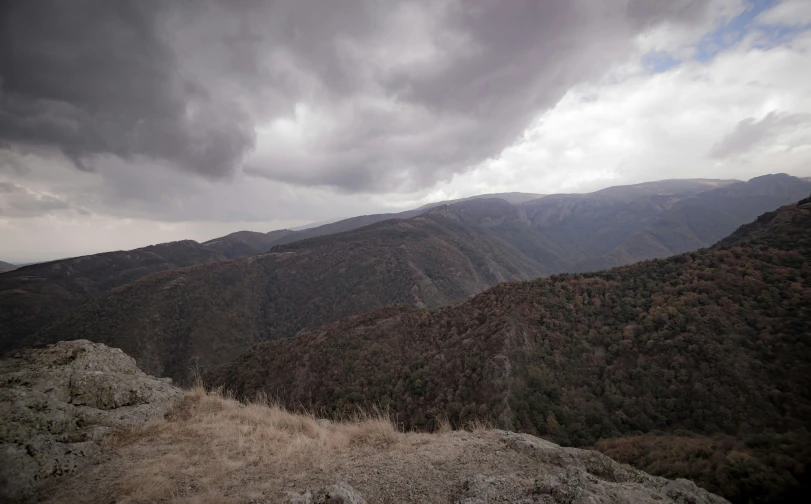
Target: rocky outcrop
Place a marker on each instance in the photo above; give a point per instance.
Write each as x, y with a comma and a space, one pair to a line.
506, 467
575, 476
56, 403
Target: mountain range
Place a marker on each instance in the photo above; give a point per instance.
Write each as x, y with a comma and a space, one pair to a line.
698, 365
38, 294
170, 318
692, 366
244, 243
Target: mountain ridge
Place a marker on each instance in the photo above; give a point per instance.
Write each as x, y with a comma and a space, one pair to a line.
537, 238
170, 321
33, 296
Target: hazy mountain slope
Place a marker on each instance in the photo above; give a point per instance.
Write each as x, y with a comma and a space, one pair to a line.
208, 314
246, 243
557, 231
679, 188
511, 197
673, 187
715, 342
34, 296
263, 242
345, 225
587, 226
703, 219
508, 224
4, 266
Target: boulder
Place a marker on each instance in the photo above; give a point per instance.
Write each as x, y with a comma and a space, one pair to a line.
56, 403
575, 476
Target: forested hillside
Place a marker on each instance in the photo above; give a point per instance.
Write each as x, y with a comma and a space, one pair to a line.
538, 236
202, 316
711, 348
33, 296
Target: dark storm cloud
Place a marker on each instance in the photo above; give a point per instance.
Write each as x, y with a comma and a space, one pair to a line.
357, 95
485, 70
749, 133
95, 77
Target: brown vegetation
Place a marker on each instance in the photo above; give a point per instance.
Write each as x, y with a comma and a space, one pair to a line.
710, 342
202, 316
34, 296
759, 468
470, 245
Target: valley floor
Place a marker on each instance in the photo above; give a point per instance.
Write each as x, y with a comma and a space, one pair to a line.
213, 449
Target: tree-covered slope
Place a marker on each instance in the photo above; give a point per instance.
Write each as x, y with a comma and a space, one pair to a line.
34, 296
202, 316
553, 234
712, 343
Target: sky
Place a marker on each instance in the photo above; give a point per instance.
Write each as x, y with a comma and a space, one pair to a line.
128, 123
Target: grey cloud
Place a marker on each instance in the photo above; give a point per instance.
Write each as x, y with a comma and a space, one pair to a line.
17, 201
397, 96
749, 133
95, 77
494, 69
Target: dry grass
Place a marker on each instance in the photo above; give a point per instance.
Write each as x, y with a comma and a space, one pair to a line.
443, 425
214, 449
211, 442
478, 426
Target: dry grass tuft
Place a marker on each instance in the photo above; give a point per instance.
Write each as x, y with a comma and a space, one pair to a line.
443, 425
210, 441
478, 426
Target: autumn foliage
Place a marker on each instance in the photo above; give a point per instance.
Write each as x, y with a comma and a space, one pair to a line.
714, 343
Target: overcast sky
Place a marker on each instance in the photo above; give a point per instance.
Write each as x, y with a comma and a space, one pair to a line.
124, 124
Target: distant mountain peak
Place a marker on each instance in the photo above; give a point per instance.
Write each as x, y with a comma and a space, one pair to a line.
772, 177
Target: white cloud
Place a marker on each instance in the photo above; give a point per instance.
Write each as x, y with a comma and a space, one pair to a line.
794, 13
633, 126
680, 39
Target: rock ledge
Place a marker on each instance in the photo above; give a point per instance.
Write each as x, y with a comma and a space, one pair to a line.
57, 402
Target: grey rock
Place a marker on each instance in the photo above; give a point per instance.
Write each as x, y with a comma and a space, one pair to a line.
575, 476
300, 498
480, 489
58, 402
340, 493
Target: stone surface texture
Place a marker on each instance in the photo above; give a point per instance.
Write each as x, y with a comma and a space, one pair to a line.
56, 403
558, 475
